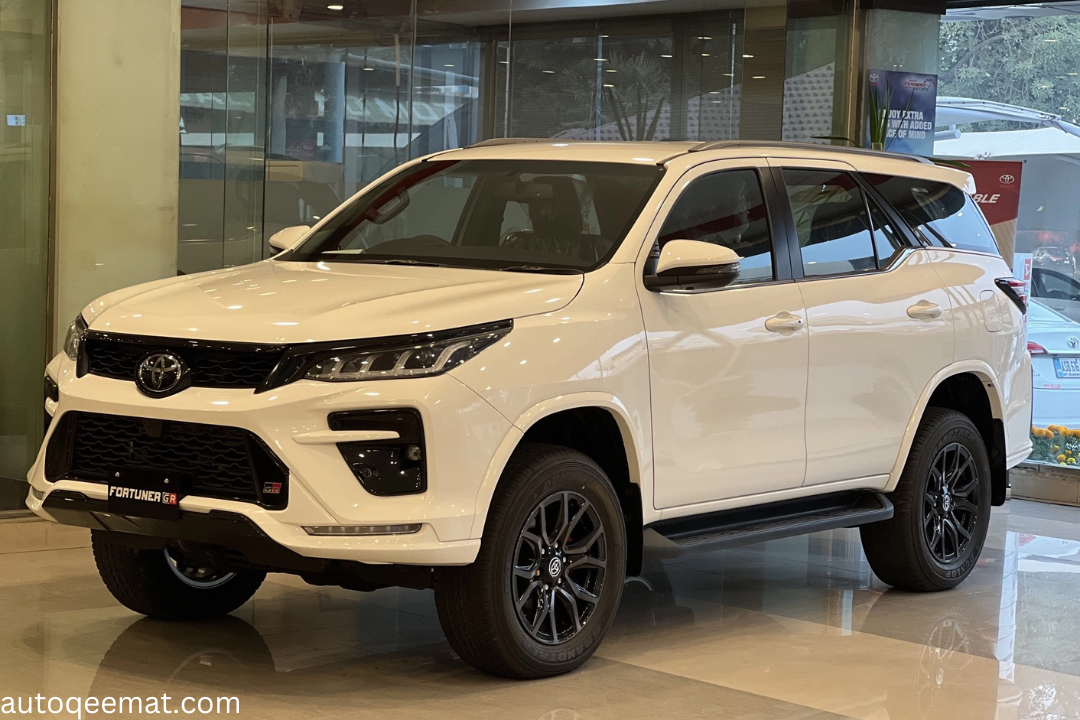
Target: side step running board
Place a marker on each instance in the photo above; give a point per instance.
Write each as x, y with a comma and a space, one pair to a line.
758, 523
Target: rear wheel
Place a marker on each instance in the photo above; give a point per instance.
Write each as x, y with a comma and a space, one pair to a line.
170, 584
547, 582
942, 507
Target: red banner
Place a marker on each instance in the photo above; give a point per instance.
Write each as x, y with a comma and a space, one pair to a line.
997, 188
997, 191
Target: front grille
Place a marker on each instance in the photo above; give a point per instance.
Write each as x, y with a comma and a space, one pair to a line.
224, 462
213, 367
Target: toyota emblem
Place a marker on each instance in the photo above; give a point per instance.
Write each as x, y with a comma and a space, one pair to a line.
160, 374
1074, 342
1007, 179
555, 567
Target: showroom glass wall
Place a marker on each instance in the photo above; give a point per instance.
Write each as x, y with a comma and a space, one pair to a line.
288, 108
1009, 90
24, 193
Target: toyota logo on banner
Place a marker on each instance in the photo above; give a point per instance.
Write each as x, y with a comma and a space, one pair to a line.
1007, 179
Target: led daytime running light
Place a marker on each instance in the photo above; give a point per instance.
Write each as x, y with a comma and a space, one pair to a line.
330, 530
423, 359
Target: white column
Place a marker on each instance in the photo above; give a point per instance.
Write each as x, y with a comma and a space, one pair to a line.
117, 155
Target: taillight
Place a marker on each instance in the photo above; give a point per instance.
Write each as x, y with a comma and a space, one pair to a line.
1036, 349
1015, 290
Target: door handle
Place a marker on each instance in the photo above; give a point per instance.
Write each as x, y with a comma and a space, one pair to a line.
784, 323
924, 310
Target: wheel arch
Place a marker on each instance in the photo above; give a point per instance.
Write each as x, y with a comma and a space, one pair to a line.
595, 424
970, 388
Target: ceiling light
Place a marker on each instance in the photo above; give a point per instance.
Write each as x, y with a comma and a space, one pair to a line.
705, 55
335, 7
714, 92
704, 37
758, 77
1049, 39
367, 68
603, 36
448, 65
607, 85
667, 56
610, 70
1071, 74
748, 56
549, 72
601, 59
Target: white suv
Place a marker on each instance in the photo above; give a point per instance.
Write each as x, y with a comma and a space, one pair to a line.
511, 372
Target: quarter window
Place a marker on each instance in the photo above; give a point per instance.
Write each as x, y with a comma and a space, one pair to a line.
726, 208
830, 217
942, 214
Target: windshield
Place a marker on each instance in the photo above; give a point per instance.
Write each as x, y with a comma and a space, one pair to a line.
501, 214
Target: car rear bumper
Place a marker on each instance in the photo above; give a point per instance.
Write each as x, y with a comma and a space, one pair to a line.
1056, 406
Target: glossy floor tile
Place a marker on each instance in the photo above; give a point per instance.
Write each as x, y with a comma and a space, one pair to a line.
795, 628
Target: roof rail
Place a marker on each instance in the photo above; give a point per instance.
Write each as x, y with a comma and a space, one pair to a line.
516, 141
728, 144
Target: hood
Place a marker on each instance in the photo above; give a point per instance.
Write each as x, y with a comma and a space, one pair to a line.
286, 302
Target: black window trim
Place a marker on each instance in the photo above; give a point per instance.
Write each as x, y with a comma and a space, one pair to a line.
795, 249
774, 216
912, 242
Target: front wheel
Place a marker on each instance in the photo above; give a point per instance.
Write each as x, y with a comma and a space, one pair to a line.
169, 584
942, 507
547, 581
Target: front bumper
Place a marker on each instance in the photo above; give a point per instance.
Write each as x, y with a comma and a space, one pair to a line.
462, 434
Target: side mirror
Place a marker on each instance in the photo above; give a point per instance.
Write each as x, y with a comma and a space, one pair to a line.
694, 265
285, 239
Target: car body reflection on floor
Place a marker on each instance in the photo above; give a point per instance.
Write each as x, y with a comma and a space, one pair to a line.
795, 628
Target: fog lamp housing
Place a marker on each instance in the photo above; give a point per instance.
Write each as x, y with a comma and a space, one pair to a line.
385, 467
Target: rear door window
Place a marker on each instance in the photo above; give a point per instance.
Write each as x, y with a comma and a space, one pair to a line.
940, 213
832, 223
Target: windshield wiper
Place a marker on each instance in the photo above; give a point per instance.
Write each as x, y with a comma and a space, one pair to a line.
542, 269
400, 261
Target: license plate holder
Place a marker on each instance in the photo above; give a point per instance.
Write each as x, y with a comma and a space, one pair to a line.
1067, 367
149, 493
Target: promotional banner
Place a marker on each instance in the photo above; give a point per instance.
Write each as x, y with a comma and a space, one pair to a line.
997, 191
902, 108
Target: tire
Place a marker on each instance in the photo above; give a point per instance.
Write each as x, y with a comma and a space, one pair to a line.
923, 547
477, 603
153, 582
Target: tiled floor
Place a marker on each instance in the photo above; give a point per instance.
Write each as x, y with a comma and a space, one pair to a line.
789, 629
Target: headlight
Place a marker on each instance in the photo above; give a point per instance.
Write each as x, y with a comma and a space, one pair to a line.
75, 335
415, 359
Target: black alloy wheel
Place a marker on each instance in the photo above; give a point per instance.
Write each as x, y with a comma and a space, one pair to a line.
169, 584
558, 567
548, 577
941, 508
194, 574
951, 503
